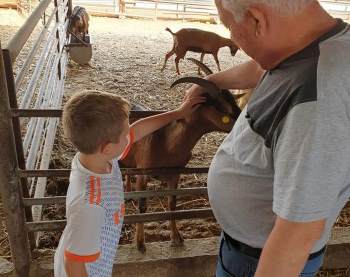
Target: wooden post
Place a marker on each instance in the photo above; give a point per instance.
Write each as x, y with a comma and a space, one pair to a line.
70, 8
10, 185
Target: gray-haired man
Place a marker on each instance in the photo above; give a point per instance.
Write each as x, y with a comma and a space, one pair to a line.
281, 177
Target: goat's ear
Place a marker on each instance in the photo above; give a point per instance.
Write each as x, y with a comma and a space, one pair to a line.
239, 95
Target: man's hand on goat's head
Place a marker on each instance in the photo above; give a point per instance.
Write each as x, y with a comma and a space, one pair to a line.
190, 104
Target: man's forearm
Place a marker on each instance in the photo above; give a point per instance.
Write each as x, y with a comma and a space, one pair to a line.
287, 248
243, 76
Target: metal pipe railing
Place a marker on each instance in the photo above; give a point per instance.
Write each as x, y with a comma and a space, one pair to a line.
128, 219
20, 38
201, 191
33, 52
127, 171
58, 113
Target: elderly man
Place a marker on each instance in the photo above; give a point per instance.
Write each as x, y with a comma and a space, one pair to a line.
280, 178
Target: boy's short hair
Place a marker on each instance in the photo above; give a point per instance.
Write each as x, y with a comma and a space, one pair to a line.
92, 118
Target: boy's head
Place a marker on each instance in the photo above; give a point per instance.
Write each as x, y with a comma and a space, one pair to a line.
94, 120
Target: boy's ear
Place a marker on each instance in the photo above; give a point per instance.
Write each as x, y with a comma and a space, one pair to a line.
106, 148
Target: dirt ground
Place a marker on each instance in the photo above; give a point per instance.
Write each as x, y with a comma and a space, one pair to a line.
127, 57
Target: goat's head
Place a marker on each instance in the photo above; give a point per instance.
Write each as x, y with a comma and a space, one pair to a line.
220, 108
76, 23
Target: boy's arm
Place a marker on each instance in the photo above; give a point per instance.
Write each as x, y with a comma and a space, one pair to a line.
146, 126
75, 269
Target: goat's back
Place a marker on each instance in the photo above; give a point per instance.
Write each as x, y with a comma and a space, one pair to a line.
198, 40
159, 149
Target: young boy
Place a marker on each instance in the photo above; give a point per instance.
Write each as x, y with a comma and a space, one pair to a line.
97, 124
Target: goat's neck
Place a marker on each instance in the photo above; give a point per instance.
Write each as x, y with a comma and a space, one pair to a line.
186, 135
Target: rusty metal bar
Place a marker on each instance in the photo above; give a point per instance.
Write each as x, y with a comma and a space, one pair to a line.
16, 129
129, 219
127, 171
128, 195
20, 38
10, 184
58, 113
29, 59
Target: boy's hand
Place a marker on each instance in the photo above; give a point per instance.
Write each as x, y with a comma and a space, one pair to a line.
190, 104
194, 91
146, 126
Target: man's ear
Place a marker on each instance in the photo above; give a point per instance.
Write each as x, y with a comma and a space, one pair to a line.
260, 19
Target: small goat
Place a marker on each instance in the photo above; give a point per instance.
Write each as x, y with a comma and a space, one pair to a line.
79, 22
199, 41
171, 145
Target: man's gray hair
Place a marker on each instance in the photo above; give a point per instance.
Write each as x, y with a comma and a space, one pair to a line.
239, 7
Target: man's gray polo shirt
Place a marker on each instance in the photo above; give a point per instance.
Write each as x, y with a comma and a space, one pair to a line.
289, 151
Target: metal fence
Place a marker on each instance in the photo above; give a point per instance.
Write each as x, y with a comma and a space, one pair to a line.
164, 9
181, 9
28, 125
30, 102
27, 144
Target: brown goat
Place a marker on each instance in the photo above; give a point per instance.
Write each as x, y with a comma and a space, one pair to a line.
79, 22
171, 145
199, 41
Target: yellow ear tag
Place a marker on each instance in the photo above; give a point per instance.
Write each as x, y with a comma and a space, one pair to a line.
225, 119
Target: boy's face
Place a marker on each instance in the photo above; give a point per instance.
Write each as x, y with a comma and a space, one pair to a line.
115, 149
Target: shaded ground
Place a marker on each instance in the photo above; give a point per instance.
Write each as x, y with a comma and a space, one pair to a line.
127, 58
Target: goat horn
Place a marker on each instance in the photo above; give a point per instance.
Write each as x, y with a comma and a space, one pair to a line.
210, 87
201, 65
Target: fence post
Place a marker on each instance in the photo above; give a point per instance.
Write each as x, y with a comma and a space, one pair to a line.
10, 185
70, 8
58, 40
12, 97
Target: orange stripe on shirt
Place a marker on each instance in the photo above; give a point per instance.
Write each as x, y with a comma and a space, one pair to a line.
128, 147
92, 189
122, 209
98, 197
83, 259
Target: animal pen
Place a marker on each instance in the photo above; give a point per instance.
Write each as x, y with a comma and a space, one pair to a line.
30, 105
